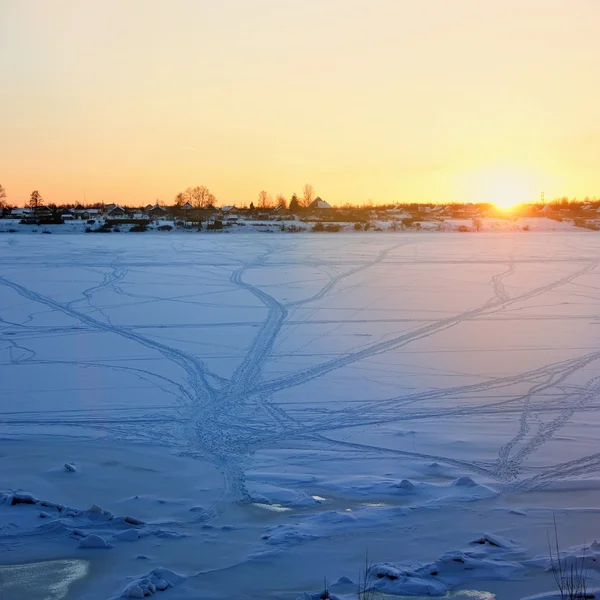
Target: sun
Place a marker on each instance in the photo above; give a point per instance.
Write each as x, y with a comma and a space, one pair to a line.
503, 185
506, 188
507, 193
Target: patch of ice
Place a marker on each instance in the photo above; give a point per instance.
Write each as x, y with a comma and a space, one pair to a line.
70, 467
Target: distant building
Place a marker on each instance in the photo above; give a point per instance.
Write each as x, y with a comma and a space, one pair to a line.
117, 212
399, 213
319, 204
156, 211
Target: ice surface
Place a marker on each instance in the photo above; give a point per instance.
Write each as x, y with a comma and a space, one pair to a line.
257, 412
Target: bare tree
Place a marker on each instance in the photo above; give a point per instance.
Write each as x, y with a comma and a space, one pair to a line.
281, 201
199, 197
264, 199
2, 193
308, 194
35, 199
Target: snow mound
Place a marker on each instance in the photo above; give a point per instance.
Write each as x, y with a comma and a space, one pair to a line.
416, 493
129, 535
586, 557
325, 524
158, 580
498, 542
89, 527
453, 568
94, 541
590, 595
266, 493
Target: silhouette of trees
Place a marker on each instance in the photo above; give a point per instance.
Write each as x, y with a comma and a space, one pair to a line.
199, 197
2, 193
264, 199
308, 194
281, 201
35, 200
294, 203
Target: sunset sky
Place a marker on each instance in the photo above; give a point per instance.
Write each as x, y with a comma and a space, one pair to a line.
389, 100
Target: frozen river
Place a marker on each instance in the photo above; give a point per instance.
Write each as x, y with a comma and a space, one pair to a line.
256, 412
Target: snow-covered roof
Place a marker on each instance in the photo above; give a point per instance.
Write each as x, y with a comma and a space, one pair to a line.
187, 206
227, 208
319, 204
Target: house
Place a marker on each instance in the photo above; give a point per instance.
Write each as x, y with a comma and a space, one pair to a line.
319, 204
19, 213
156, 211
42, 212
67, 216
399, 213
116, 212
78, 212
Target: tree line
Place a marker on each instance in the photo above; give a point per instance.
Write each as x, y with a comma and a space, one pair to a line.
202, 197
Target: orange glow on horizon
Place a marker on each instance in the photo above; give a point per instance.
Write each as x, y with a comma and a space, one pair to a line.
133, 102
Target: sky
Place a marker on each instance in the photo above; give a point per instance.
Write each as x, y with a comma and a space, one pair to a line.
130, 101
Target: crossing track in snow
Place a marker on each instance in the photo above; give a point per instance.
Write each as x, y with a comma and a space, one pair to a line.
226, 419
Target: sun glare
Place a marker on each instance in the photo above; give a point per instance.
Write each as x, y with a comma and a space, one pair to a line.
503, 187
507, 194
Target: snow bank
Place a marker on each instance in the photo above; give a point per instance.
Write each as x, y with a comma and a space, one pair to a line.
486, 558
90, 527
325, 524
584, 557
158, 580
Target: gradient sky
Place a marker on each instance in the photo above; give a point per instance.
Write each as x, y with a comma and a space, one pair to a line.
389, 100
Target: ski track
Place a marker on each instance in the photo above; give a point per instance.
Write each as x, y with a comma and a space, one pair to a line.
227, 419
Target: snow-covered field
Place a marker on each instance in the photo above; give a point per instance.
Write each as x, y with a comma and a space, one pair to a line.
244, 416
